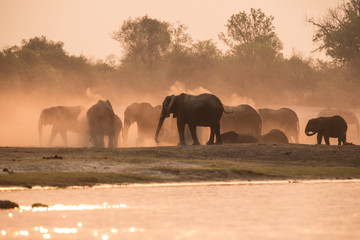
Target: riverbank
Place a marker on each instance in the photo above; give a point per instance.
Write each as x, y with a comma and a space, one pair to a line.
63, 167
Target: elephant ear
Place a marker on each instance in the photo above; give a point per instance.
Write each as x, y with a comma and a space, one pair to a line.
168, 108
321, 124
109, 106
172, 105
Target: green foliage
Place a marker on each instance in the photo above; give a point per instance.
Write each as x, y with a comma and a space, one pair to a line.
338, 33
251, 30
143, 39
158, 53
43, 66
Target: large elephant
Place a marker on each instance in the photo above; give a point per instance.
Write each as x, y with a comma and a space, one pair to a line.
283, 119
244, 120
348, 116
62, 119
202, 110
146, 117
103, 122
274, 136
327, 127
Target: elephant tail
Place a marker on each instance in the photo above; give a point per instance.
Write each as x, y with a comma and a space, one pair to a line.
40, 126
357, 127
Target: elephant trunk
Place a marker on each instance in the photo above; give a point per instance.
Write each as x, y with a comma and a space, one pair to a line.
125, 132
161, 121
310, 134
40, 126
357, 127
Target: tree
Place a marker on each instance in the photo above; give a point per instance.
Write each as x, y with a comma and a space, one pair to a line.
249, 31
338, 32
143, 39
205, 53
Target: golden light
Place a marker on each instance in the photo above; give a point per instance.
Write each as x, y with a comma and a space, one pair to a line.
46, 236
65, 230
24, 233
104, 237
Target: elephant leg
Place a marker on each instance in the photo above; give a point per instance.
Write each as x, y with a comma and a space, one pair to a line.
64, 137
95, 140
217, 133
54, 132
181, 130
101, 141
319, 138
111, 142
193, 135
327, 139
342, 139
116, 141
211, 139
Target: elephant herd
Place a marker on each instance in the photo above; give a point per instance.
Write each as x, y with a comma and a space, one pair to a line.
228, 124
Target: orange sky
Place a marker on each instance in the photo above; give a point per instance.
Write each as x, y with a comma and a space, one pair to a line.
85, 26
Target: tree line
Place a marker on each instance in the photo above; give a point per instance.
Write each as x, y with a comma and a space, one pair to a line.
157, 54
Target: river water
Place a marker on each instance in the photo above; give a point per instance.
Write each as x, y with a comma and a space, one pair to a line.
257, 210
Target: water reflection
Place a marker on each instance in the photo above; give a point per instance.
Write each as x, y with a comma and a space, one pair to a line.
53, 233
299, 210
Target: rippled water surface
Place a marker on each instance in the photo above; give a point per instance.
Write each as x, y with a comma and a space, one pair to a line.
256, 211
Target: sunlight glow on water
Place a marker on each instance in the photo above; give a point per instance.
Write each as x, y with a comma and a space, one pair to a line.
49, 233
61, 207
249, 210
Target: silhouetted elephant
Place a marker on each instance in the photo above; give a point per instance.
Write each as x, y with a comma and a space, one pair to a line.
234, 137
274, 136
348, 116
103, 122
327, 127
203, 110
244, 119
62, 119
283, 119
146, 117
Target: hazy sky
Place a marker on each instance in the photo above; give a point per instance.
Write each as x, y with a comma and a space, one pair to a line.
85, 26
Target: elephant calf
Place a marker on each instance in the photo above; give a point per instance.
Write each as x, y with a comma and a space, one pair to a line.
327, 127
234, 137
274, 136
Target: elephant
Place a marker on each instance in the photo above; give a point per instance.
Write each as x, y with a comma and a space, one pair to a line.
102, 122
234, 137
348, 116
244, 119
202, 110
284, 119
146, 117
274, 136
62, 119
334, 127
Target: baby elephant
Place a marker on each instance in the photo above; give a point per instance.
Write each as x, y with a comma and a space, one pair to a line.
274, 136
234, 137
327, 127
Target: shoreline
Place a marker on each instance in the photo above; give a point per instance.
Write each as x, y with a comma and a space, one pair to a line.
181, 165
182, 184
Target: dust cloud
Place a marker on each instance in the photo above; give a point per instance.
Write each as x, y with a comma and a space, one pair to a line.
20, 112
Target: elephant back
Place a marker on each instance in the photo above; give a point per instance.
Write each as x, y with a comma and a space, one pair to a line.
243, 119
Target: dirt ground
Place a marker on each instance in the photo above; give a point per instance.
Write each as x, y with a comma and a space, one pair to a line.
88, 166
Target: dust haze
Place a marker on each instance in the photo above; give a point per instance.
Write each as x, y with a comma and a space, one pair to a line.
20, 111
